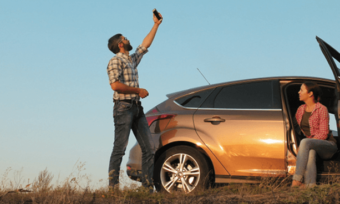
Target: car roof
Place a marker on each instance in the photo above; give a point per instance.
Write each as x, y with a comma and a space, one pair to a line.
191, 90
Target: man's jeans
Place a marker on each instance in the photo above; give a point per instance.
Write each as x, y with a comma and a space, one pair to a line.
306, 158
129, 116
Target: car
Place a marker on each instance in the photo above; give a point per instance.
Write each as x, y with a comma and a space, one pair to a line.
233, 132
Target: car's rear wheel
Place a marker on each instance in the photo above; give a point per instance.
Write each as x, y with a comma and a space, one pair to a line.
181, 168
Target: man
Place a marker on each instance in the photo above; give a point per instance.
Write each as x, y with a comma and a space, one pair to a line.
127, 112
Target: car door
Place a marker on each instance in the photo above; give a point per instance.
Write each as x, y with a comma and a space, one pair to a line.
242, 124
330, 53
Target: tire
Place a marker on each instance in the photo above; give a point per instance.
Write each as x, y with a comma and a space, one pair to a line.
181, 168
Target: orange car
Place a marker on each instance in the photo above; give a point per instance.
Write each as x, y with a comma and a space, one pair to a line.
232, 132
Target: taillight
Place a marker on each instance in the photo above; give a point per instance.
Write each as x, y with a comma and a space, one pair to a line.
151, 119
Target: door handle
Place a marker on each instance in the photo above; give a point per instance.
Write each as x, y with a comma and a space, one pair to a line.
214, 119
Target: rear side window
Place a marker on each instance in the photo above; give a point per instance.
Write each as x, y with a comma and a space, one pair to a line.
252, 95
194, 100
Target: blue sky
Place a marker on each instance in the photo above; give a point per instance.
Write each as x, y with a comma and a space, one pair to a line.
56, 102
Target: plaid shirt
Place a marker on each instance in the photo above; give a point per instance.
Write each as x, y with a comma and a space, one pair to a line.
123, 68
318, 121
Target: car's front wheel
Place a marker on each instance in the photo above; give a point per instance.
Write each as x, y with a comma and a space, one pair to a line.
181, 168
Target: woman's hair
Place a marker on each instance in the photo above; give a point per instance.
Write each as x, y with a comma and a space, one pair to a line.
312, 86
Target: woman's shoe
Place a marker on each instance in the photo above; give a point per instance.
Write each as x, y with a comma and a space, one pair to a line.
296, 183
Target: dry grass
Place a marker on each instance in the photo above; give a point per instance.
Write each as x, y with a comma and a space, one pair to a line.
76, 189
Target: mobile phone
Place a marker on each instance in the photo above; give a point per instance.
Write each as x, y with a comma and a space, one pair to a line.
157, 14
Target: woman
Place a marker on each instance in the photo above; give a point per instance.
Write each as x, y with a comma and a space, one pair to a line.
313, 120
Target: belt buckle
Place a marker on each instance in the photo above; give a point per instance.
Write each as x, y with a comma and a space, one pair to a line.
134, 100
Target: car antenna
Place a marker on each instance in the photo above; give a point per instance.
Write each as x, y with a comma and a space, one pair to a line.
203, 76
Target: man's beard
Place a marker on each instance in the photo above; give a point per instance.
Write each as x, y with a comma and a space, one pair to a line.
127, 47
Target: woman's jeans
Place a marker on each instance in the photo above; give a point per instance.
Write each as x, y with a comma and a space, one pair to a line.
129, 116
306, 158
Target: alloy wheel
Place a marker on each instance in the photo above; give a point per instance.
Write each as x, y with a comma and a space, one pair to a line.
180, 172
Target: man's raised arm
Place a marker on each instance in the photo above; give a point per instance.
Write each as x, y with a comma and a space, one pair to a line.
149, 38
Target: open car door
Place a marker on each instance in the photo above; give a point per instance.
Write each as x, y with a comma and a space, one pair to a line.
331, 54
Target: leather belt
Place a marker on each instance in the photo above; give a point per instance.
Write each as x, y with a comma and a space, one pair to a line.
129, 101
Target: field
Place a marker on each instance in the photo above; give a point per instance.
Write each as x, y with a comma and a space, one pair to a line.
77, 189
